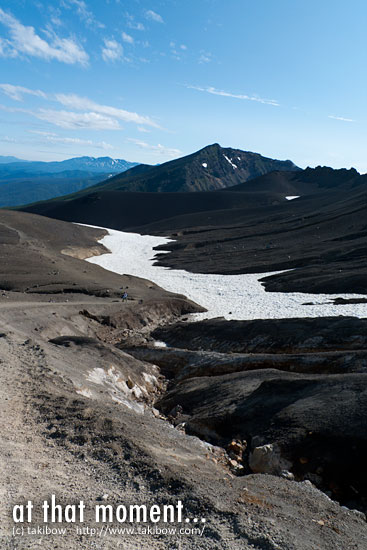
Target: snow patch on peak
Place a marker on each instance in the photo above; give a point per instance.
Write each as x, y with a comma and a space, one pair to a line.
230, 162
204, 164
292, 197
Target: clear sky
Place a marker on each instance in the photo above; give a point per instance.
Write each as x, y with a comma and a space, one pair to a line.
151, 80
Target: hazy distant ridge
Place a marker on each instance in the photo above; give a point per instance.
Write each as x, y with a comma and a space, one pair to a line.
23, 181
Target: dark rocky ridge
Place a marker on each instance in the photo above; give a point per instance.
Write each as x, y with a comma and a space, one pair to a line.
301, 335
304, 182
178, 364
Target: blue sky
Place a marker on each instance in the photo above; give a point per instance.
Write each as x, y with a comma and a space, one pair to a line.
153, 80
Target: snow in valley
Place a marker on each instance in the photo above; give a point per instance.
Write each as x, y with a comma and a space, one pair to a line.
229, 296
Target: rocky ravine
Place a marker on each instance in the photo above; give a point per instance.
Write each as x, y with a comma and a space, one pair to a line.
288, 397
79, 414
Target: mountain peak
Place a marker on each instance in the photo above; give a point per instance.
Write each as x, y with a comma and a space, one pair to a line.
212, 167
211, 146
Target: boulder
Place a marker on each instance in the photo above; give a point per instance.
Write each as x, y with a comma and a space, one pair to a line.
267, 459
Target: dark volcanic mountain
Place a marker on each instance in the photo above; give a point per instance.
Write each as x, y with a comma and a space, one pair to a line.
22, 182
211, 168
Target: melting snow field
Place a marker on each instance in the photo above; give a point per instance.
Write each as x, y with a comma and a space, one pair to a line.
229, 296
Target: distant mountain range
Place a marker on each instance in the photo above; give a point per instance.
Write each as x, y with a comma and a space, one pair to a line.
88, 164
22, 182
5, 160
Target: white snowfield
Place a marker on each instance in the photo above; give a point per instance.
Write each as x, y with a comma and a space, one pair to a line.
229, 296
292, 197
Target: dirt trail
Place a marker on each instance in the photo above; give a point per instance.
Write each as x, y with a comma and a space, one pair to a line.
34, 467
27, 305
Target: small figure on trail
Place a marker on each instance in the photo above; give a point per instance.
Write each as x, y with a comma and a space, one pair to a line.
124, 296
